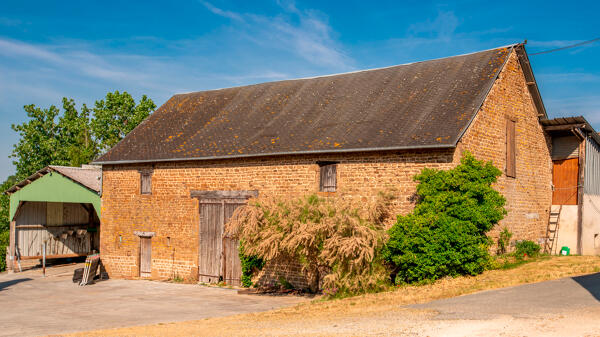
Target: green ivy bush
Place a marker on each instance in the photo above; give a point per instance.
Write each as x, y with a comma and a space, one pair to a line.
250, 265
527, 248
446, 232
504, 241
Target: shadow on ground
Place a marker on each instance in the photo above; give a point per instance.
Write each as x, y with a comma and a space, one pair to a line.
591, 283
7, 284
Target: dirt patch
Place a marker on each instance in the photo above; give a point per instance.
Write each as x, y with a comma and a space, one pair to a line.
386, 314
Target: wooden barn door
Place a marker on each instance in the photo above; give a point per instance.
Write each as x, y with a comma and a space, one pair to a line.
145, 257
218, 256
232, 267
211, 230
565, 180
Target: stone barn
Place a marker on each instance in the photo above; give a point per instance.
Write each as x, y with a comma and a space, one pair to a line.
171, 184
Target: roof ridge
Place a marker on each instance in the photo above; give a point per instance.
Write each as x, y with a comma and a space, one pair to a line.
350, 72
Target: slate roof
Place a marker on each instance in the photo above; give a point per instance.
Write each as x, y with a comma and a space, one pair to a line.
88, 175
419, 105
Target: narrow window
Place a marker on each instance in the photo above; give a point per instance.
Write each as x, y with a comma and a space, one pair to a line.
146, 182
328, 179
511, 155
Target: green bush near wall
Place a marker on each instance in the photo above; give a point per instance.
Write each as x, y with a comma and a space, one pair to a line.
445, 235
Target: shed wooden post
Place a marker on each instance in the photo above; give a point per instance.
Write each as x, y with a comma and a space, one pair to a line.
580, 182
11, 250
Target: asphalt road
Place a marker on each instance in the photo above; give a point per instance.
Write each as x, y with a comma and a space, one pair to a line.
525, 301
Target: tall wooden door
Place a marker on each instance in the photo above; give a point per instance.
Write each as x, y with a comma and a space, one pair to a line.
145, 257
218, 255
565, 177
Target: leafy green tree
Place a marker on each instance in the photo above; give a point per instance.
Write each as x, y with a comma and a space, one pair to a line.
39, 141
4, 223
4, 203
446, 232
74, 137
116, 115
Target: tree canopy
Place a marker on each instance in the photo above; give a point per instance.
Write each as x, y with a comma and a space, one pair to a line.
75, 137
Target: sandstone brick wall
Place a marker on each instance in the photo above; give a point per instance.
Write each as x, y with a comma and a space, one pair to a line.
529, 194
173, 215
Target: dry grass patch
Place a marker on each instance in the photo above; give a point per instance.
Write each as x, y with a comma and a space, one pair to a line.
289, 321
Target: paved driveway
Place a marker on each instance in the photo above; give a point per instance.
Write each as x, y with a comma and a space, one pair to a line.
31, 305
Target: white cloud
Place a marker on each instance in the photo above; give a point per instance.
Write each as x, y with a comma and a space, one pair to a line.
305, 33
220, 12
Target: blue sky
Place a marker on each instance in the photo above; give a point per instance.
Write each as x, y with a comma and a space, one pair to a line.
83, 49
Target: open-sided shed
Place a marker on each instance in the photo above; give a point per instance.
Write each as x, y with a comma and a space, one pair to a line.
55, 212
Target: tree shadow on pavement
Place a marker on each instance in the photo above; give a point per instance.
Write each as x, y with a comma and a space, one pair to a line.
7, 284
591, 283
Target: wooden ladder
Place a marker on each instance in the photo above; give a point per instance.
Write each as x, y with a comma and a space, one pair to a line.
552, 231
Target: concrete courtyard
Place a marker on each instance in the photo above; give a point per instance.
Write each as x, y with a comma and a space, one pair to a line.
32, 305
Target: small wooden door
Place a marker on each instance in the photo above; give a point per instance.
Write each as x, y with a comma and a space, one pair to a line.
565, 177
218, 256
145, 257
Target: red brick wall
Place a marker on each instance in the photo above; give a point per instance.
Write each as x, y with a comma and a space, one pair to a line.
173, 215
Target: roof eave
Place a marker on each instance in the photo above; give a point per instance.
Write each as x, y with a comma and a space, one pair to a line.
532, 86
374, 149
38, 174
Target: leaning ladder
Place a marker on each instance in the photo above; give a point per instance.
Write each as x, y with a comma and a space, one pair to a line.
552, 231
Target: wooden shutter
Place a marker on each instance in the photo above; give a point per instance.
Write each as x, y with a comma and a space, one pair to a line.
146, 182
511, 154
328, 180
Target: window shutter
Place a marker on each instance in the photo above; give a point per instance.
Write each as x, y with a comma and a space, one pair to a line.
511, 154
146, 182
328, 181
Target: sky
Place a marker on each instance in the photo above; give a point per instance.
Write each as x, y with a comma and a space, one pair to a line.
84, 49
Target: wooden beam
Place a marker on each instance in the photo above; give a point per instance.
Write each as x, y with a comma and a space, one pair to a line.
49, 226
563, 127
224, 194
19, 210
59, 256
580, 182
11, 249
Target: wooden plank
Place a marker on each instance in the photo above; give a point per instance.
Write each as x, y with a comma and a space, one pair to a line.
565, 177
74, 214
580, 180
563, 127
55, 256
232, 268
54, 213
209, 253
12, 246
511, 160
145, 256
328, 177
224, 194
